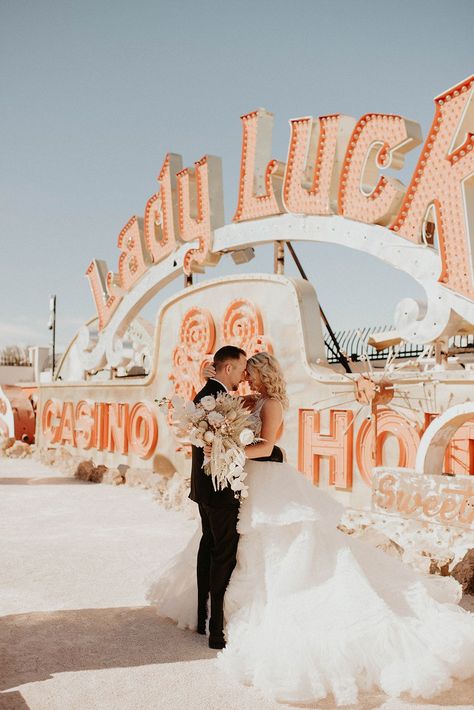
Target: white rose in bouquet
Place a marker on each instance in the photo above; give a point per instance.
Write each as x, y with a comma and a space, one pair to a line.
196, 437
214, 418
194, 413
223, 423
246, 437
209, 403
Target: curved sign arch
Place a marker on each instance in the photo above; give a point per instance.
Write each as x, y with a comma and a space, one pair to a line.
333, 188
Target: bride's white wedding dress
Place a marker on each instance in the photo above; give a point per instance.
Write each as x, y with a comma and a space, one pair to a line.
310, 611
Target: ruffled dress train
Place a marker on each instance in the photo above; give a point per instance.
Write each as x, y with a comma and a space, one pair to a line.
311, 612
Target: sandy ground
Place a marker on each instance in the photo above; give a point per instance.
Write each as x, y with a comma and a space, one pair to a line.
75, 629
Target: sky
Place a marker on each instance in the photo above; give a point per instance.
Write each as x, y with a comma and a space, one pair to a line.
95, 93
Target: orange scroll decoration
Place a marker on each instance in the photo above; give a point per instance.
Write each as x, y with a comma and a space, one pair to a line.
242, 325
197, 335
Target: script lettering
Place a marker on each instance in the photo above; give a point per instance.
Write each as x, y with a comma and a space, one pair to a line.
161, 211
106, 298
134, 259
386, 489
201, 210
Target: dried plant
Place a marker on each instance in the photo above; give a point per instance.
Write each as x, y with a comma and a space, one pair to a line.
224, 424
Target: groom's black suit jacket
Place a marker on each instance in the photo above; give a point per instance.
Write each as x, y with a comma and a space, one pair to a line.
202, 490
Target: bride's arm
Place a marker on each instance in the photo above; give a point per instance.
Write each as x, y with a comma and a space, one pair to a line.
272, 415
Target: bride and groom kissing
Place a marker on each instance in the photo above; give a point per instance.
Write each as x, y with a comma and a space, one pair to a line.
309, 611
219, 509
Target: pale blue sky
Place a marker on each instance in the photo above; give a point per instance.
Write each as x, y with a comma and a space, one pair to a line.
95, 93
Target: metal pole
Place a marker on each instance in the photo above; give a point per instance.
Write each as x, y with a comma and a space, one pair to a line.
340, 355
54, 337
52, 327
279, 258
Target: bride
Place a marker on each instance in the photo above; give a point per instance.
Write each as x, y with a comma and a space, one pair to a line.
309, 611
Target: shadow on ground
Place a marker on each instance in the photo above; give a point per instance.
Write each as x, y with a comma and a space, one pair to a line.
13, 701
34, 646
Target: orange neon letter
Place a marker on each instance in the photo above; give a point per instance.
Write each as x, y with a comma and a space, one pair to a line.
441, 190
261, 179
103, 286
143, 430
315, 156
337, 446
378, 141
134, 259
50, 420
118, 427
66, 427
86, 427
161, 211
388, 423
201, 210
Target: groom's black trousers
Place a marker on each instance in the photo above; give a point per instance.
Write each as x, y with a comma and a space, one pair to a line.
215, 562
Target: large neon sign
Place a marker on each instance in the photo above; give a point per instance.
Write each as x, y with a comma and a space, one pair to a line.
334, 167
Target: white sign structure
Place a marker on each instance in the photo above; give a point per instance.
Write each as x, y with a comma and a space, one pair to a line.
335, 187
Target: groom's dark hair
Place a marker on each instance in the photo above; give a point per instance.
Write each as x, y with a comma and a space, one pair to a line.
228, 352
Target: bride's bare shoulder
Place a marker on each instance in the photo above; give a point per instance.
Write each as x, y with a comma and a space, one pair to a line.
272, 405
272, 402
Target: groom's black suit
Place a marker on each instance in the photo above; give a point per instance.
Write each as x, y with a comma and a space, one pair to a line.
218, 547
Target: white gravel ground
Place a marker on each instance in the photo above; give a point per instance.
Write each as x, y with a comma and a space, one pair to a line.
75, 629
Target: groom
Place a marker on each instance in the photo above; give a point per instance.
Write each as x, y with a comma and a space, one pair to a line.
218, 509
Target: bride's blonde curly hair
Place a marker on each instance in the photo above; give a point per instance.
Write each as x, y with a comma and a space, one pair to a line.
271, 376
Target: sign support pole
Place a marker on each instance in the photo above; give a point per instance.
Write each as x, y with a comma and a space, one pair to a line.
52, 327
340, 355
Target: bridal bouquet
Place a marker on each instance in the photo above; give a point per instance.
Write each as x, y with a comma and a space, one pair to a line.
223, 423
